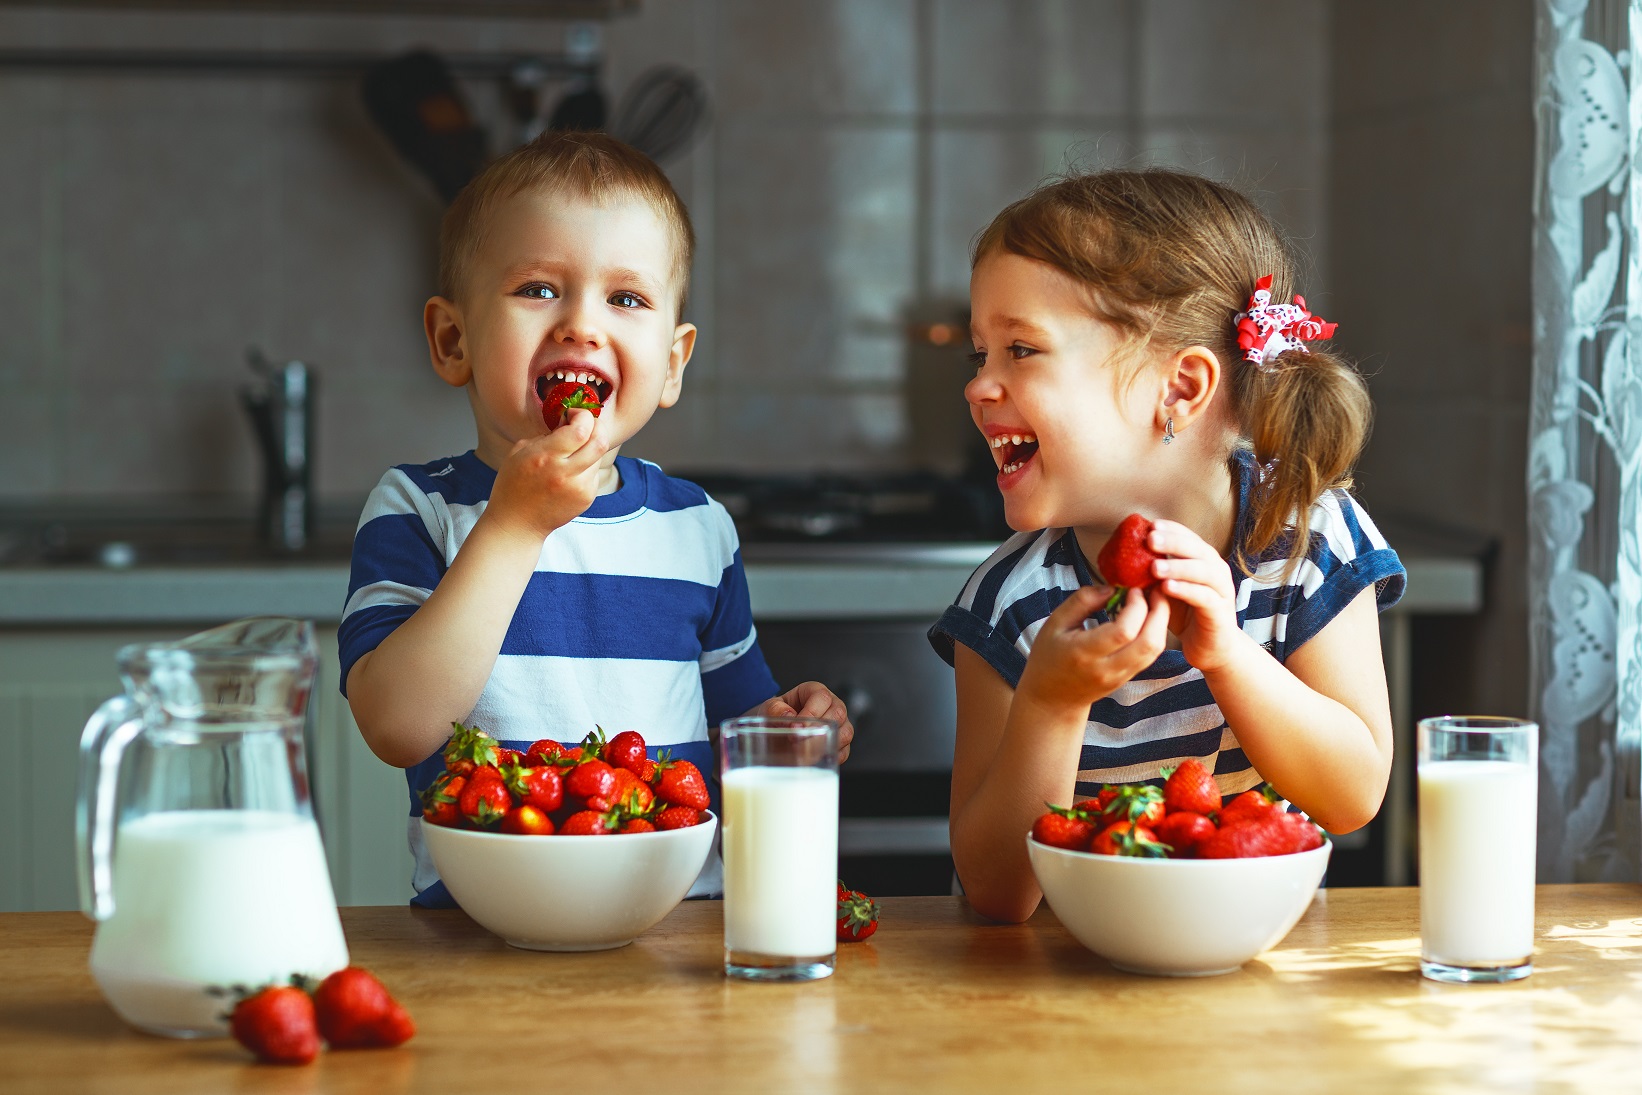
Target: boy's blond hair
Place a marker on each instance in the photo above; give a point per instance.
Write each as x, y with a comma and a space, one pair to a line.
586, 164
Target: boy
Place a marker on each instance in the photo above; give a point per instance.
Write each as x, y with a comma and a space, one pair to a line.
541, 584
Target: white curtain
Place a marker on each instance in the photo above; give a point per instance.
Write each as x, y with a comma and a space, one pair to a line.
1585, 444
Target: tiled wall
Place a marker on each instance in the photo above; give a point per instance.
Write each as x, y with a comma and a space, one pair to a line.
1430, 224
153, 227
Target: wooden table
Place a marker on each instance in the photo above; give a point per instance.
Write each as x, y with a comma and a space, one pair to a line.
939, 1001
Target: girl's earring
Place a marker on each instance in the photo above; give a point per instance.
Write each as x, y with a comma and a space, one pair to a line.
1168, 430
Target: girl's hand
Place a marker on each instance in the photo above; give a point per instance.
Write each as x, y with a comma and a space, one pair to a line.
811, 700
1200, 581
1072, 666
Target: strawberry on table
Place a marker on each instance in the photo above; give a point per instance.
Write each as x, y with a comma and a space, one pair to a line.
680, 783
355, 1011
857, 916
277, 1024
1191, 787
1064, 827
566, 396
1125, 562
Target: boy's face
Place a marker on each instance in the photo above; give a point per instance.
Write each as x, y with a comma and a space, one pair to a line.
562, 286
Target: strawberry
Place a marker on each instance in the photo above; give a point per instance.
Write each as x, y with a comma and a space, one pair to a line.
1125, 562
1248, 806
646, 770
591, 779
542, 752
484, 800
678, 817
355, 1011
1191, 787
636, 825
1064, 828
588, 823
1098, 804
1183, 831
506, 756
626, 750
566, 396
1140, 803
679, 783
1127, 838
277, 1024
542, 787
468, 748
439, 800
1303, 832
632, 794
857, 916
527, 820
1269, 835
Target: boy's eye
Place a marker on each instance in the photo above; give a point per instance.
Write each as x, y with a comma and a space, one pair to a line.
537, 291
627, 300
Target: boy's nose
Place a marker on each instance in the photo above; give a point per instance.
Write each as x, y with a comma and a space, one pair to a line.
576, 326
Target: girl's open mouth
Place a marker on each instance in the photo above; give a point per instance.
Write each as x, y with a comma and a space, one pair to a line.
1014, 451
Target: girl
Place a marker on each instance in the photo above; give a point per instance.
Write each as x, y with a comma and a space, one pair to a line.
1123, 364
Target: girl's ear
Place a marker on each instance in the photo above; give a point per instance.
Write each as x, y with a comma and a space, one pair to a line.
447, 344
684, 344
1190, 381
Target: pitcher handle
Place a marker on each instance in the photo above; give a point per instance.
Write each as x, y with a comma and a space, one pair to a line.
111, 728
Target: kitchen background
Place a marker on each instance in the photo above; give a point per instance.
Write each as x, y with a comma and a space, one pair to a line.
156, 225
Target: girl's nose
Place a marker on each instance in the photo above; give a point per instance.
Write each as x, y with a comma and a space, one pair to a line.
982, 388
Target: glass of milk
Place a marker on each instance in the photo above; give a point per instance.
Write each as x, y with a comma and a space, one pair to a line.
1478, 808
780, 834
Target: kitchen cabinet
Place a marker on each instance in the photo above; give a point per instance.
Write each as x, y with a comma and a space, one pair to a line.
52, 680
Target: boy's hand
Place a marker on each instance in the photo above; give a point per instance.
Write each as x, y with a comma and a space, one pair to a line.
1200, 581
1072, 666
548, 480
811, 700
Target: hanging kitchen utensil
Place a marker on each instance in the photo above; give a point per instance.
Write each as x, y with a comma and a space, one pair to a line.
414, 100
662, 113
582, 107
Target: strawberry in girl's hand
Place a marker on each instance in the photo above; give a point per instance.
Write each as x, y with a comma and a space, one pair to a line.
277, 1024
1191, 787
857, 916
355, 1011
1125, 562
680, 783
567, 396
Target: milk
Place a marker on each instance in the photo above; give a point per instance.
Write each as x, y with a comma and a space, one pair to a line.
213, 898
780, 837
1477, 835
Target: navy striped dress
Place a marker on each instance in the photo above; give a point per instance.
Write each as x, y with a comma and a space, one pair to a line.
637, 618
1166, 713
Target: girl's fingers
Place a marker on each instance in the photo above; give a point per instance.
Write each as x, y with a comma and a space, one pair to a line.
1201, 571
1173, 538
1070, 613
1197, 596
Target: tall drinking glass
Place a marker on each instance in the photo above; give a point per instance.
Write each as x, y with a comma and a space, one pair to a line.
1478, 810
780, 832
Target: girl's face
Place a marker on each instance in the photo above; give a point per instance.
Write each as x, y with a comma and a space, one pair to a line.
1070, 436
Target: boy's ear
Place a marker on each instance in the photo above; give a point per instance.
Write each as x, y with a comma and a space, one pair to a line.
447, 344
684, 344
1190, 381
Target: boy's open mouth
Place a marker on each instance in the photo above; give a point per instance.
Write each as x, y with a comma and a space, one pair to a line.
1014, 450
599, 384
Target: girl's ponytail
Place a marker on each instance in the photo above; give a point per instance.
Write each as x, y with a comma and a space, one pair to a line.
1306, 416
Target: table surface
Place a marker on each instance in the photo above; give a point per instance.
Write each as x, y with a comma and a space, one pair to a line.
939, 1000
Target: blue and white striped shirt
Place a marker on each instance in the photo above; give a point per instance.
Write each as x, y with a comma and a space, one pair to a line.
637, 617
1166, 713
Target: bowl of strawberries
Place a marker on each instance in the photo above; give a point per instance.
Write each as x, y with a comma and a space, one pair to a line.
1175, 881
566, 849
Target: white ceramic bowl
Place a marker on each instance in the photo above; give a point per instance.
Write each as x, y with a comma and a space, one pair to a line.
570, 893
1177, 917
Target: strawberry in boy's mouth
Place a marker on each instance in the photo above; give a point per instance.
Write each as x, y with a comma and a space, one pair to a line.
566, 388
1013, 451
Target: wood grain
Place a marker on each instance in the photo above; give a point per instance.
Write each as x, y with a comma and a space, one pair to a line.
939, 1000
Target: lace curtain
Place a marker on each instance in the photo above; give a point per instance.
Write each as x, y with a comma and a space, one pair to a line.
1585, 443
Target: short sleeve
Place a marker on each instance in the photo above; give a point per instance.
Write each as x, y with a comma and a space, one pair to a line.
398, 559
734, 676
1002, 606
1285, 607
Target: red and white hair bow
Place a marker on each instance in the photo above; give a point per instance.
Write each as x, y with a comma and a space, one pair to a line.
1268, 329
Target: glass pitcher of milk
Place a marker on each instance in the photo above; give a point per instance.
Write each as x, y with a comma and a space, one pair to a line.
198, 853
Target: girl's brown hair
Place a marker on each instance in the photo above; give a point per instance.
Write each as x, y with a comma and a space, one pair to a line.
1170, 259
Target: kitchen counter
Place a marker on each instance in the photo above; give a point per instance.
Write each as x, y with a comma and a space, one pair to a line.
939, 1000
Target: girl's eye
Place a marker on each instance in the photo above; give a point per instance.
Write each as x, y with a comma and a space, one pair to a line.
978, 358
627, 300
1017, 351
537, 291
